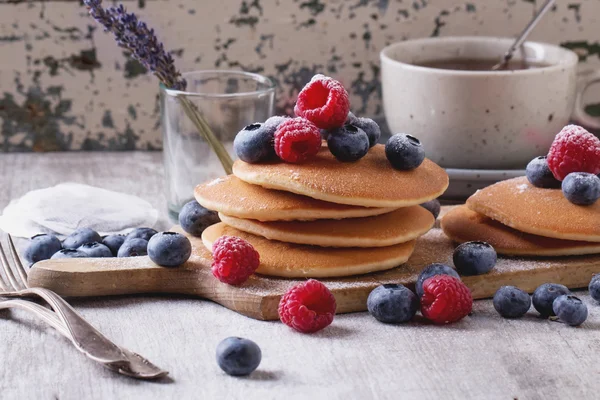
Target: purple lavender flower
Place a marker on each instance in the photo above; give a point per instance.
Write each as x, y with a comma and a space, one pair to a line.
135, 36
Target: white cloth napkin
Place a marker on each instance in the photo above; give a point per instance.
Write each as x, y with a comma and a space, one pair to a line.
65, 207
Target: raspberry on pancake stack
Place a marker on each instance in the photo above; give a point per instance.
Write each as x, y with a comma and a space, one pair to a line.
553, 211
324, 209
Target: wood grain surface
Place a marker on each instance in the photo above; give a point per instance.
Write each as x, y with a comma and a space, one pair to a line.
259, 297
481, 357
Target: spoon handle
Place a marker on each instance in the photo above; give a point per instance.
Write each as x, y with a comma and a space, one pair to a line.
521, 38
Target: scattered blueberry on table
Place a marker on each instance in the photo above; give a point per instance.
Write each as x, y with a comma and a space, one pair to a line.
114, 243
141, 233
68, 253
474, 258
41, 247
539, 175
133, 248
570, 310
348, 143
581, 188
392, 303
194, 218
431, 270
95, 249
79, 237
404, 152
544, 296
511, 302
237, 356
594, 287
169, 249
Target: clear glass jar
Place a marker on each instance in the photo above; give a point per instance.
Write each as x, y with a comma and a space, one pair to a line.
223, 101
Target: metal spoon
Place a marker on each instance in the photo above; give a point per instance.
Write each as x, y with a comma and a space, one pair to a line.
521, 38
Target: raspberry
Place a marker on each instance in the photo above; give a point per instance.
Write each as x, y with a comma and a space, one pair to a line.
574, 150
445, 299
307, 307
296, 140
324, 102
234, 260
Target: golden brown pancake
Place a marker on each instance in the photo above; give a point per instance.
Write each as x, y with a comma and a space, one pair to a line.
544, 212
464, 225
369, 182
399, 226
232, 196
302, 261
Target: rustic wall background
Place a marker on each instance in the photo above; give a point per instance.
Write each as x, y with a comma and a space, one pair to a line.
64, 85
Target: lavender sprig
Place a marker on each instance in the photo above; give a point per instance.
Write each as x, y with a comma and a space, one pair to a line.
135, 36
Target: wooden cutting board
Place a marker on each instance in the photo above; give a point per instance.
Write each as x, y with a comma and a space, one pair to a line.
259, 297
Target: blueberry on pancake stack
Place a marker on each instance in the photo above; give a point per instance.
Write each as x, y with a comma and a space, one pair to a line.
553, 211
316, 208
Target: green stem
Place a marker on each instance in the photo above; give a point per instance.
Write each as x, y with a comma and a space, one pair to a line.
194, 115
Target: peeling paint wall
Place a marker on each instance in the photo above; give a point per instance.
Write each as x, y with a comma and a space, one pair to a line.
64, 85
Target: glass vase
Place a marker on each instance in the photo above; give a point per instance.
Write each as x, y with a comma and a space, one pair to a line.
199, 126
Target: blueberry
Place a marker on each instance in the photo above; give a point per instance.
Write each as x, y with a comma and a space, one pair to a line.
544, 296
511, 302
79, 237
594, 287
194, 218
539, 174
392, 303
141, 233
133, 248
254, 143
237, 356
404, 152
68, 253
581, 188
351, 118
348, 143
370, 127
95, 249
431, 270
433, 206
275, 121
113, 242
169, 249
570, 310
41, 247
474, 258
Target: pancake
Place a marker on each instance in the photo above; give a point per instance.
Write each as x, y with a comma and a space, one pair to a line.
369, 182
399, 226
234, 197
301, 261
464, 225
544, 212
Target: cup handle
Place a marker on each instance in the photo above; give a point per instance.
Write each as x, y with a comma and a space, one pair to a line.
579, 114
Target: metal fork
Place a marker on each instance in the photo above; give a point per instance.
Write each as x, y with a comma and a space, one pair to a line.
68, 322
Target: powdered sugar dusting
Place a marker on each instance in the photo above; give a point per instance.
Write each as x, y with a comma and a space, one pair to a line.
215, 182
522, 187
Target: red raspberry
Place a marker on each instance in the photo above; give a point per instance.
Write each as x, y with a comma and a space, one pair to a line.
297, 139
234, 260
574, 150
445, 299
307, 307
324, 102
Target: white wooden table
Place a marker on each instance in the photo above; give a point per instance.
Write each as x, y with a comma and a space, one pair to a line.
481, 357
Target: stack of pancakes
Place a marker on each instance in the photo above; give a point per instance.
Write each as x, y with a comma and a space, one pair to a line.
518, 218
324, 218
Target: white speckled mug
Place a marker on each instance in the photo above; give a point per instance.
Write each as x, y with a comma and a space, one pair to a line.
479, 119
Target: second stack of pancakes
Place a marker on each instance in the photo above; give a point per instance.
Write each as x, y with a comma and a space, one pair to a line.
324, 218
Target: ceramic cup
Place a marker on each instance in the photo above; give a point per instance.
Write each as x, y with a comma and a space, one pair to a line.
481, 119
